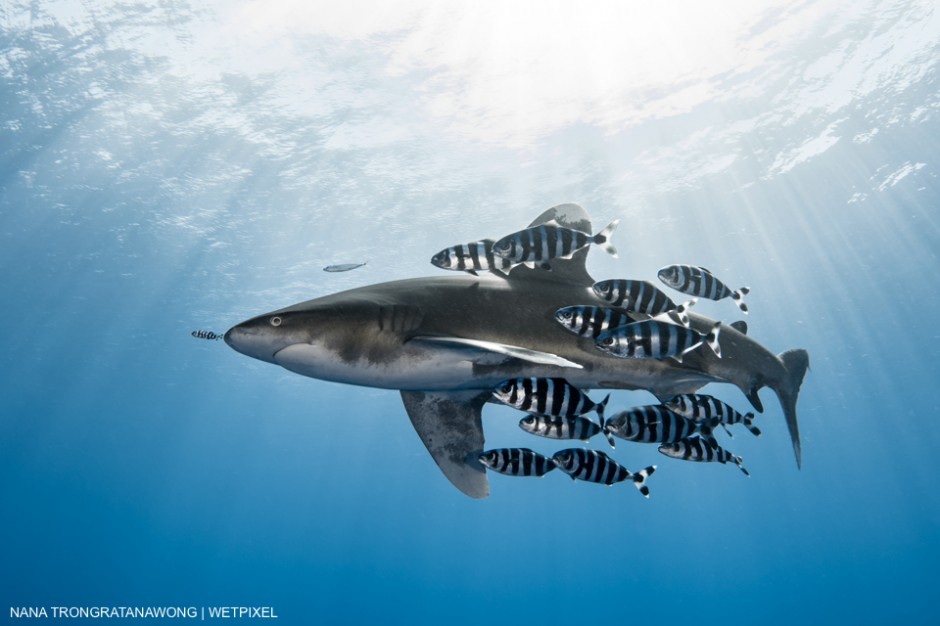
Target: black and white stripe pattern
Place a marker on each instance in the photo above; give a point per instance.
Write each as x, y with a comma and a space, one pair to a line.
640, 296
563, 427
206, 334
650, 424
634, 295
591, 321
539, 244
710, 410
596, 467
517, 462
547, 396
654, 339
701, 449
698, 281
473, 257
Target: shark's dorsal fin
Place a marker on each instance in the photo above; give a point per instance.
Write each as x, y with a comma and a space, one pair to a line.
451, 428
571, 269
740, 326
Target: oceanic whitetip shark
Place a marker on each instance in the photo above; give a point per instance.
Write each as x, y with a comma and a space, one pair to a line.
446, 342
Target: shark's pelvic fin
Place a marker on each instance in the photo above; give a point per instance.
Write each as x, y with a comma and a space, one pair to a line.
450, 426
492, 353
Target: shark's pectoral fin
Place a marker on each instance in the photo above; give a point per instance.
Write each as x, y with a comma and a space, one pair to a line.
450, 426
492, 353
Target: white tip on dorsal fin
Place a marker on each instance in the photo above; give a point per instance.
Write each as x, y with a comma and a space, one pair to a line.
516, 352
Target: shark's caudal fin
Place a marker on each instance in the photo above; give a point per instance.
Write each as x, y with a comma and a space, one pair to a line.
450, 426
796, 362
571, 269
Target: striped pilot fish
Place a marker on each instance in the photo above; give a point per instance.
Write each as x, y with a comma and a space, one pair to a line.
473, 257
517, 462
651, 424
640, 296
558, 427
707, 409
655, 339
588, 320
548, 396
698, 281
539, 244
206, 334
596, 467
701, 449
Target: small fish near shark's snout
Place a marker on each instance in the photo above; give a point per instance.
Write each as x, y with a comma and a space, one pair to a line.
446, 342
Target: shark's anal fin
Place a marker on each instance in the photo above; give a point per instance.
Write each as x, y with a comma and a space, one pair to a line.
449, 424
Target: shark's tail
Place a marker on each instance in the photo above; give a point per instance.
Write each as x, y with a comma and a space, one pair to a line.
796, 363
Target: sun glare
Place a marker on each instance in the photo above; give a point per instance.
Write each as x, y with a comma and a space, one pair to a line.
508, 72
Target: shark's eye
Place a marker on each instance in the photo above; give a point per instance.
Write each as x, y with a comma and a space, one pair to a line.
275, 321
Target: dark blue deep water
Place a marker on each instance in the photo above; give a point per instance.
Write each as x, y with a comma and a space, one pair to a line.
169, 166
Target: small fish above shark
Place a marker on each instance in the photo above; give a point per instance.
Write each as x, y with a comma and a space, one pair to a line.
447, 342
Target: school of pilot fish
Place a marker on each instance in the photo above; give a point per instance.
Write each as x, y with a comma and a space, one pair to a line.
683, 426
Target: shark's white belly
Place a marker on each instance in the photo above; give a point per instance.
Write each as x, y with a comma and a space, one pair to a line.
438, 367
413, 369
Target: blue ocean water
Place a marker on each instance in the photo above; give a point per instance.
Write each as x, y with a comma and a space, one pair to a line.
173, 166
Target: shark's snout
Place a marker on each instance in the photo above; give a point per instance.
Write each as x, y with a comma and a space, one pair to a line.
254, 340
228, 337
